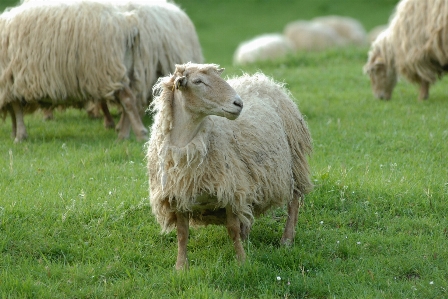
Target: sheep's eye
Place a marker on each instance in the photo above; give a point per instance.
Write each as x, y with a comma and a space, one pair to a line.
197, 81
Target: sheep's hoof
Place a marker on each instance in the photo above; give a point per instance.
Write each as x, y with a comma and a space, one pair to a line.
109, 125
122, 136
182, 266
286, 242
244, 231
19, 139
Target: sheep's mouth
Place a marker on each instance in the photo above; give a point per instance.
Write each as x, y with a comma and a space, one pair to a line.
231, 114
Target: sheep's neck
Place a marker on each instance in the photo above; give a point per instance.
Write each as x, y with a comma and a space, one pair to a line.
185, 124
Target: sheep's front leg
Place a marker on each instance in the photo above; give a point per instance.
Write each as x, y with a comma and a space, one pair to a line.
424, 91
182, 240
20, 125
291, 222
234, 230
124, 126
128, 101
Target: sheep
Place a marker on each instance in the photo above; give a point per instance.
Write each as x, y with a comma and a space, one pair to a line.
65, 53
263, 47
212, 162
311, 36
349, 29
415, 46
167, 37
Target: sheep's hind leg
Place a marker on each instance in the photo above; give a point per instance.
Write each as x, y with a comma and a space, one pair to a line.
19, 123
48, 113
128, 101
182, 240
291, 222
234, 230
108, 120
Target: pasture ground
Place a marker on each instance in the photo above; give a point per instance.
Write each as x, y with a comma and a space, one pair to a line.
75, 220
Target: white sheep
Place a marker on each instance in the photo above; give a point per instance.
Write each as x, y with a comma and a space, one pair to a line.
349, 29
415, 45
211, 161
263, 47
311, 36
68, 52
167, 37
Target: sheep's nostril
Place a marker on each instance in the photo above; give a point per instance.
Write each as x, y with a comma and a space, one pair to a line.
238, 102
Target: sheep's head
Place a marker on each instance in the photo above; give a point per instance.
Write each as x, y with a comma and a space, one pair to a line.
382, 73
203, 92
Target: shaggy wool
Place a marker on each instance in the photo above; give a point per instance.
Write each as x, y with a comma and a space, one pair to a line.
253, 163
62, 51
416, 41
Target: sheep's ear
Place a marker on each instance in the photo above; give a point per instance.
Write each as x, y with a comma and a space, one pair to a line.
180, 68
378, 61
220, 70
180, 81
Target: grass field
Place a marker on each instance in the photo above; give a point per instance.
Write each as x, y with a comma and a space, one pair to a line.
75, 220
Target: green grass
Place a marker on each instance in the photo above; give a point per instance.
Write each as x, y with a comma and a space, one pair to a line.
75, 220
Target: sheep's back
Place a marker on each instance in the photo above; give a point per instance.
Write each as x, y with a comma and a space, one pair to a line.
271, 123
58, 50
418, 34
168, 37
263, 47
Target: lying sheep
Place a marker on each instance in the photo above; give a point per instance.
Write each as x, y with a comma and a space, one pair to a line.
66, 53
212, 162
311, 36
349, 29
415, 45
263, 47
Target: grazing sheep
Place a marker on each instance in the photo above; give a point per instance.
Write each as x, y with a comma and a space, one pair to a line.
375, 32
349, 29
212, 162
167, 37
263, 47
415, 45
311, 36
66, 53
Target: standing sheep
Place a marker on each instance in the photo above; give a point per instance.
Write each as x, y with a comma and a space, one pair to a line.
415, 45
167, 37
67, 53
263, 47
212, 162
